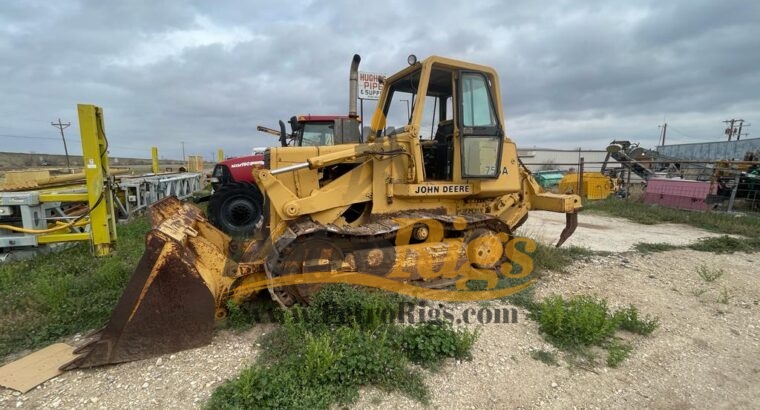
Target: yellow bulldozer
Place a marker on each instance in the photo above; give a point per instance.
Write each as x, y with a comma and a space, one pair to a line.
405, 206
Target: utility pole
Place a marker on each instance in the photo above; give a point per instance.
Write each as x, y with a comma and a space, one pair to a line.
739, 134
731, 130
664, 128
61, 126
183, 150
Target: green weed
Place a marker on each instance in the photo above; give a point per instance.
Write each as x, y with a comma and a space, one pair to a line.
582, 322
617, 352
429, 343
645, 247
724, 297
340, 305
698, 292
558, 259
726, 244
747, 225
628, 319
545, 356
325, 352
709, 275
257, 310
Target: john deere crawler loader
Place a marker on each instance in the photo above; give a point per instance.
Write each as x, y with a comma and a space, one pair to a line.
410, 207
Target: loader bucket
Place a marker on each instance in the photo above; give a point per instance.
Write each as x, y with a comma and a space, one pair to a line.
173, 296
166, 307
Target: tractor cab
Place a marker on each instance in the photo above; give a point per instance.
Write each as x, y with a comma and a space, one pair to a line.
322, 130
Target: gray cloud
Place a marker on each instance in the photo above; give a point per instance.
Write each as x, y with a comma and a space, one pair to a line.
207, 73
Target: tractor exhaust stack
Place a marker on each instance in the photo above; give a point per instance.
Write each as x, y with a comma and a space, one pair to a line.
353, 92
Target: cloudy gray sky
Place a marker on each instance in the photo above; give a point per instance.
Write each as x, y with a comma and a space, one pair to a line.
207, 72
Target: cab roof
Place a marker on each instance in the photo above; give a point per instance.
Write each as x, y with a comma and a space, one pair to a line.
315, 118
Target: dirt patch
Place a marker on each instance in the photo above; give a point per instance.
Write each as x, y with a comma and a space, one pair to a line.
704, 355
606, 233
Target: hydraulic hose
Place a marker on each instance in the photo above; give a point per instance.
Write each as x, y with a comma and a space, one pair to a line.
56, 228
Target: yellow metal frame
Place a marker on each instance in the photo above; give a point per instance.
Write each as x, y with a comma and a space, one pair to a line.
98, 196
154, 159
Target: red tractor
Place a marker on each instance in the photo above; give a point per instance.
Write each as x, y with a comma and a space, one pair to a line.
236, 205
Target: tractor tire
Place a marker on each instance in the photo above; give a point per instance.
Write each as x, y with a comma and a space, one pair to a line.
236, 208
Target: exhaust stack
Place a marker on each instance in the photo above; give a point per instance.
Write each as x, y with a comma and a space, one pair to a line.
353, 86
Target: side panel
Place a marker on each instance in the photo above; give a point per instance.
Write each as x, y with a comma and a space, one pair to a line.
241, 168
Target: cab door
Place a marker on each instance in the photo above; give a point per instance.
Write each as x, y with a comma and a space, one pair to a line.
481, 136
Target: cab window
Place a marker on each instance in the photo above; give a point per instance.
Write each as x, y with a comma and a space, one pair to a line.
477, 110
317, 134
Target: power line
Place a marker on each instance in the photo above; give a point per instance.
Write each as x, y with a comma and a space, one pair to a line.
676, 130
70, 139
33, 137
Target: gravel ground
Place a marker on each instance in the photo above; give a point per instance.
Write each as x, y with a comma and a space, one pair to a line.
607, 233
704, 355
182, 380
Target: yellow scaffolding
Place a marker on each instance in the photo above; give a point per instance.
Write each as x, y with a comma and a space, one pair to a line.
33, 206
95, 158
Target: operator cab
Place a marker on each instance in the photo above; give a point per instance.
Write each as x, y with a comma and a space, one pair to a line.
315, 131
460, 132
316, 134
